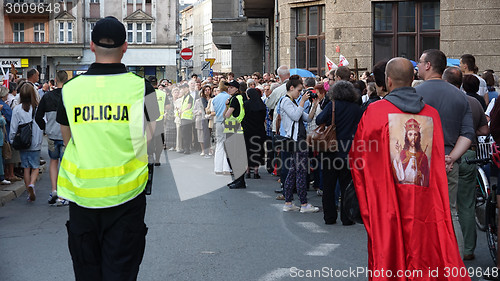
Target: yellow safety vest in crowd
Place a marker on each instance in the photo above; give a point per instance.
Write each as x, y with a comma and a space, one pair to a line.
233, 124
187, 114
105, 161
161, 96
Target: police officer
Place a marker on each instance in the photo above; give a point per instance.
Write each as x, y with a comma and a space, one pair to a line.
159, 137
104, 169
235, 141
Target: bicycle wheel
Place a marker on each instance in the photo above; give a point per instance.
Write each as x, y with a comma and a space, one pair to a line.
491, 229
482, 185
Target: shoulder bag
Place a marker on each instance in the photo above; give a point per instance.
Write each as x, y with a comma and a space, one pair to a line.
324, 138
22, 139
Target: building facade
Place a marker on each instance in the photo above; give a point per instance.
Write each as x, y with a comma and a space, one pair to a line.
246, 36
196, 34
368, 31
57, 34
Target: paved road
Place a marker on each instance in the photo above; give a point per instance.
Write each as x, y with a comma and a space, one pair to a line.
221, 235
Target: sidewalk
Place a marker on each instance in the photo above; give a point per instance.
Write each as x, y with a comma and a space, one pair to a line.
15, 189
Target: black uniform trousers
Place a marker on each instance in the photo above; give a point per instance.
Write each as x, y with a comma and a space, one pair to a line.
107, 244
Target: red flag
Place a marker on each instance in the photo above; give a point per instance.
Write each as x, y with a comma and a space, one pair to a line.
343, 61
330, 65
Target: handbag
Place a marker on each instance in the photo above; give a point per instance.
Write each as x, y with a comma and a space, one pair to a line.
351, 204
22, 139
6, 149
324, 138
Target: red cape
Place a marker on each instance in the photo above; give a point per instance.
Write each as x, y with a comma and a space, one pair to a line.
409, 227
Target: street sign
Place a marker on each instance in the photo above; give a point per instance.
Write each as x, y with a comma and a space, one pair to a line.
211, 60
205, 65
186, 54
187, 63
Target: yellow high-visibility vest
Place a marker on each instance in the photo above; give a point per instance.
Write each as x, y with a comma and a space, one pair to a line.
233, 124
105, 161
187, 114
161, 96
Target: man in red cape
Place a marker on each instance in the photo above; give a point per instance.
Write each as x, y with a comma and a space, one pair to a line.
409, 227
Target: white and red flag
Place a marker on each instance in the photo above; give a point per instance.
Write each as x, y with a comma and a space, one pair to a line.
330, 65
343, 61
5, 79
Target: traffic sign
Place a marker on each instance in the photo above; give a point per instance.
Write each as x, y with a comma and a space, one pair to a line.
211, 60
205, 65
186, 54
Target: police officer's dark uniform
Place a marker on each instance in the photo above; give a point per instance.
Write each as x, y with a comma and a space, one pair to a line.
235, 142
104, 168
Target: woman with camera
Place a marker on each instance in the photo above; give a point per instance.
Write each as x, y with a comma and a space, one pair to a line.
292, 120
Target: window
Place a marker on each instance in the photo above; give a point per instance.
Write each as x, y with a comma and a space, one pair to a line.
61, 32
130, 32
39, 32
70, 31
18, 32
66, 32
148, 33
139, 33
92, 25
310, 44
405, 29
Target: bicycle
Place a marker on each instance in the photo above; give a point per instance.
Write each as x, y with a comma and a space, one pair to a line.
486, 201
483, 187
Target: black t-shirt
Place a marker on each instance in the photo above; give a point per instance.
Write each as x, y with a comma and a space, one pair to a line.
234, 103
151, 113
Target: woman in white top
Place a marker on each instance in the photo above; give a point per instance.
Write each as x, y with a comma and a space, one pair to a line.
292, 120
30, 157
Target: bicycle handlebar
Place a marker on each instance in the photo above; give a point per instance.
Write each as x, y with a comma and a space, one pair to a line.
477, 161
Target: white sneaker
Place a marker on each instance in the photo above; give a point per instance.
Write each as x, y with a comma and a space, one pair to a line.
309, 209
202, 154
290, 208
61, 202
5, 182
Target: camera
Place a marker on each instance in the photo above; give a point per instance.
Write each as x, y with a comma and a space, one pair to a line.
312, 94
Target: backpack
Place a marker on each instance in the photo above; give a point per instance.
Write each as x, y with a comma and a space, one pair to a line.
22, 139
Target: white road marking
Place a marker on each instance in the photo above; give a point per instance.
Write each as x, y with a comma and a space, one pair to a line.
323, 250
259, 194
276, 274
311, 226
278, 206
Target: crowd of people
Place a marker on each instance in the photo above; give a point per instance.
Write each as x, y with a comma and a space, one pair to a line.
287, 107
25, 101
438, 110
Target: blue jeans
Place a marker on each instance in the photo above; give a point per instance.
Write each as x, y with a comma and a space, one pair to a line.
56, 149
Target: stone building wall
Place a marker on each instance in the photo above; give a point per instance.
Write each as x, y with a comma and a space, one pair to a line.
471, 26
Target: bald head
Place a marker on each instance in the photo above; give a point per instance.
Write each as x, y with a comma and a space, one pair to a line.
453, 75
398, 73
